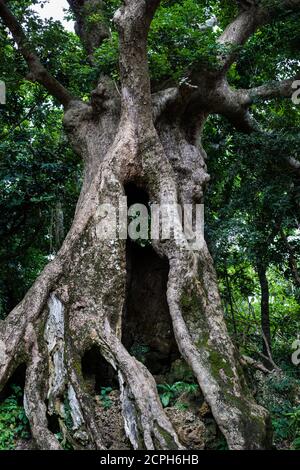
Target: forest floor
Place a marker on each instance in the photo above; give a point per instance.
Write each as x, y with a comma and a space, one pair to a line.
190, 414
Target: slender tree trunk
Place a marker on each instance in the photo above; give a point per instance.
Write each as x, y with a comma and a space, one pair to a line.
229, 293
265, 310
78, 301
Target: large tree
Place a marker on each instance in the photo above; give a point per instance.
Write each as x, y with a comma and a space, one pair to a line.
145, 133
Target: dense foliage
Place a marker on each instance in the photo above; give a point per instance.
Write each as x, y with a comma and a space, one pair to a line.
13, 421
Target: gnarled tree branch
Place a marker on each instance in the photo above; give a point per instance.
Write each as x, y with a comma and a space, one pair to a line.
37, 72
248, 21
274, 89
235, 104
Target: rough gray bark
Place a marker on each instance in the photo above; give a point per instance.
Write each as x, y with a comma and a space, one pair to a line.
78, 300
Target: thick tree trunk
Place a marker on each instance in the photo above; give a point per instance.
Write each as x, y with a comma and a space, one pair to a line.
78, 301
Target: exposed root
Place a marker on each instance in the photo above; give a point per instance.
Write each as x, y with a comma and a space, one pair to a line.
204, 343
249, 362
82, 410
146, 423
34, 401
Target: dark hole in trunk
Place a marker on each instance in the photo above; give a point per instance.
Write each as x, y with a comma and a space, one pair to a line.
97, 372
17, 380
147, 328
53, 423
136, 195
